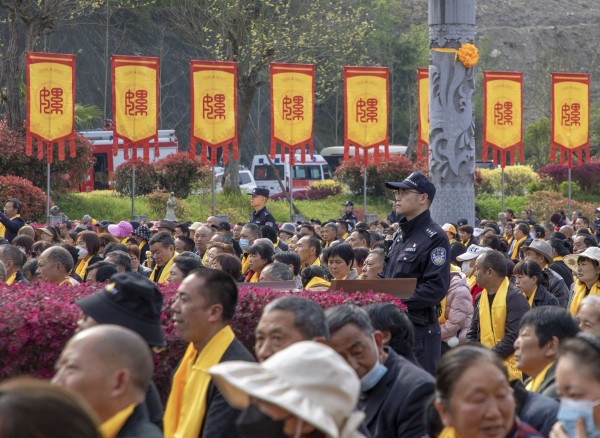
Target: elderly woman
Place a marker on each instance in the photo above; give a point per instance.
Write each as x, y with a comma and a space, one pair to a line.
182, 267
587, 267
340, 262
474, 397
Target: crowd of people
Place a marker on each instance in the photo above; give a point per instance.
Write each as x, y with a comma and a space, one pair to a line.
500, 338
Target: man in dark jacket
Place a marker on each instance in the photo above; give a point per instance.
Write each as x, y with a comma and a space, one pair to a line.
13, 258
110, 367
204, 306
11, 221
394, 391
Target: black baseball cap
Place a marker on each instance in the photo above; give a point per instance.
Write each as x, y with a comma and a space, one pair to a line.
260, 191
415, 181
348, 204
222, 226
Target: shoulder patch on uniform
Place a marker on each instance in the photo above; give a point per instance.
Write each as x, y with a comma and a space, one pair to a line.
430, 232
438, 256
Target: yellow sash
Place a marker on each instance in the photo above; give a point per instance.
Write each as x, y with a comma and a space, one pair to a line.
558, 258
532, 297
11, 279
3, 228
254, 278
508, 240
579, 293
204, 258
111, 427
442, 318
245, 263
186, 406
535, 383
164, 274
125, 239
317, 262
448, 432
81, 268
317, 282
471, 280
515, 254
493, 324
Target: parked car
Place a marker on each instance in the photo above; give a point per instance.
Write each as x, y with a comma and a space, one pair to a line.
245, 180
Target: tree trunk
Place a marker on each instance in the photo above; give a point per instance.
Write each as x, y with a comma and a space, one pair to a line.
12, 73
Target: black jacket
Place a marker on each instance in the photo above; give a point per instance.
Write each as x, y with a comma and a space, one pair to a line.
564, 271
12, 226
558, 287
20, 278
138, 425
263, 217
516, 306
548, 386
544, 298
219, 419
535, 409
395, 406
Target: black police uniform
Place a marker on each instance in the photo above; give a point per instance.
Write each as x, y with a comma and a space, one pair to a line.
350, 217
263, 217
421, 250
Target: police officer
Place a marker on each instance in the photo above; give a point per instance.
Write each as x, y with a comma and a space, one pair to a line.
260, 215
349, 215
597, 223
420, 249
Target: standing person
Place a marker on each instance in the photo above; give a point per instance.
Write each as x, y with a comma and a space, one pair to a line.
349, 215
420, 250
11, 221
261, 216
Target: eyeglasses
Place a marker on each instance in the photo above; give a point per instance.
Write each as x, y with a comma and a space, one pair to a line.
403, 192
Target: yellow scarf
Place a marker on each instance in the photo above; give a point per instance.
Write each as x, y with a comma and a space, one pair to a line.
68, 281
493, 324
508, 239
448, 432
82, 266
317, 282
471, 280
3, 228
558, 258
254, 278
442, 318
515, 253
317, 262
11, 279
125, 239
245, 263
467, 242
164, 274
344, 236
186, 406
580, 292
205, 257
111, 427
535, 383
531, 298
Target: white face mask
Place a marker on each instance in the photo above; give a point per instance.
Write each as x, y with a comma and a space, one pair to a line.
83, 252
466, 268
572, 410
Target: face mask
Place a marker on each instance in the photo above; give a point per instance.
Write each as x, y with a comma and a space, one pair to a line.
244, 244
372, 378
253, 423
466, 268
82, 251
571, 410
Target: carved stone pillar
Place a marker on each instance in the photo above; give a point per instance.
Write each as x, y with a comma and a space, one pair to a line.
451, 118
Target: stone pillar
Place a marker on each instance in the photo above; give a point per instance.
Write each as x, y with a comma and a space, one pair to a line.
451, 117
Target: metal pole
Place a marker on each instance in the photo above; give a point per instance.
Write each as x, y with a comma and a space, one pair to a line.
214, 199
503, 189
133, 191
569, 203
47, 191
291, 189
365, 193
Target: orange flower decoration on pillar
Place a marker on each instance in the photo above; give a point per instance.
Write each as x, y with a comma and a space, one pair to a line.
468, 55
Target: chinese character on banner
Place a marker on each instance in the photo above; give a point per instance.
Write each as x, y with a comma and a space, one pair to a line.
423, 110
366, 104
502, 116
135, 93
570, 117
50, 103
214, 109
292, 108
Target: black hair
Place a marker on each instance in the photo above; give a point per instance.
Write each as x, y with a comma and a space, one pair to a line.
390, 318
187, 264
269, 232
309, 318
585, 348
532, 269
289, 258
344, 251
188, 243
360, 254
495, 261
364, 235
164, 238
550, 321
104, 270
315, 243
218, 288
560, 246
121, 259
263, 250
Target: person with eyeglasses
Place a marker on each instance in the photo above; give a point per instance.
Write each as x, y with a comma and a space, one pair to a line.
421, 250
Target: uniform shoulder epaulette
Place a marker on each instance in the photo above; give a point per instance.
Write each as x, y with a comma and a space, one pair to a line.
431, 233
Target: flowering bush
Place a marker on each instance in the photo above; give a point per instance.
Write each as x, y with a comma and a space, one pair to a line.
396, 168
32, 198
587, 176
516, 179
146, 177
36, 322
468, 55
179, 173
66, 175
324, 189
544, 204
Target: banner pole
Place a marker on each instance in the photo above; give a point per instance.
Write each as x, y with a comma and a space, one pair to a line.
365, 194
569, 202
214, 199
291, 188
47, 190
133, 191
503, 189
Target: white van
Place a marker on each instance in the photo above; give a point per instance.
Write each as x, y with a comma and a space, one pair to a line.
315, 168
334, 155
245, 180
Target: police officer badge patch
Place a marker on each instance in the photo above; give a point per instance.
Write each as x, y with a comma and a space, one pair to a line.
438, 256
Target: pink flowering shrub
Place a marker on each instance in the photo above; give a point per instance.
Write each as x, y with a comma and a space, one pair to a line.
37, 321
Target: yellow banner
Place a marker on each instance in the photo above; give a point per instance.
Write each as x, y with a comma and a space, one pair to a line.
214, 102
50, 97
423, 87
366, 106
503, 112
135, 98
570, 113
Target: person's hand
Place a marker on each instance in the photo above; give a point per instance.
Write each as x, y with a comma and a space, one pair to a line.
559, 432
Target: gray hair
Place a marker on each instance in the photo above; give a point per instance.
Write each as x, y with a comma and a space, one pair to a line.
277, 272
340, 316
264, 241
121, 259
593, 300
2, 271
309, 318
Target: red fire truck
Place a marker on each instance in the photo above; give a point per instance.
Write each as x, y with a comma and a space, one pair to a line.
100, 177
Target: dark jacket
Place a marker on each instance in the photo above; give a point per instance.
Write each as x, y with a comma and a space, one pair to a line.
219, 420
558, 287
138, 425
544, 298
95, 259
535, 409
12, 226
264, 217
395, 406
20, 278
564, 271
548, 386
516, 306
154, 406
393, 217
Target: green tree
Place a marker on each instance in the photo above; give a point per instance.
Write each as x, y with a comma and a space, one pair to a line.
536, 143
255, 33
